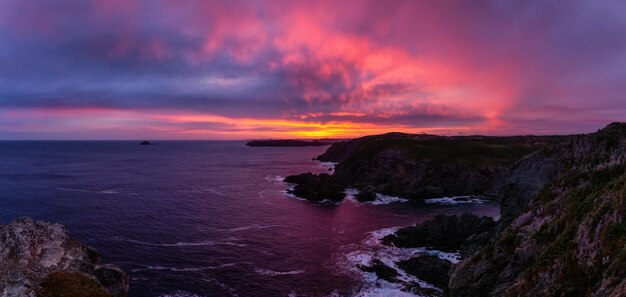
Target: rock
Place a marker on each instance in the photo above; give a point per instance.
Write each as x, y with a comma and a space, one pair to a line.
315, 187
113, 278
429, 166
365, 196
465, 234
430, 269
31, 250
145, 142
422, 292
381, 270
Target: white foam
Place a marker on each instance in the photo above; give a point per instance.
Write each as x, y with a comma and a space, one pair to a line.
390, 291
180, 294
250, 227
276, 178
109, 192
228, 241
330, 166
351, 194
384, 199
270, 272
286, 192
329, 202
450, 257
230, 290
188, 269
456, 200
72, 190
380, 198
355, 256
203, 243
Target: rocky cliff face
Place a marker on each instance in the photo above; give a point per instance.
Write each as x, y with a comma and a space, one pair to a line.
570, 239
31, 251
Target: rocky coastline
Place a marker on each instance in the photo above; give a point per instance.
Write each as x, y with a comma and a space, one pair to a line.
42, 259
561, 231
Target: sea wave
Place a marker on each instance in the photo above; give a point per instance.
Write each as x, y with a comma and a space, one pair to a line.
380, 198
351, 194
243, 228
270, 272
385, 199
456, 200
228, 241
250, 227
187, 269
330, 166
180, 294
276, 178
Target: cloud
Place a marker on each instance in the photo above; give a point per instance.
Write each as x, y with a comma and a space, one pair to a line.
495, 67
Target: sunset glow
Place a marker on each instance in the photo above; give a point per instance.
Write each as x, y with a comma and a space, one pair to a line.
308, 69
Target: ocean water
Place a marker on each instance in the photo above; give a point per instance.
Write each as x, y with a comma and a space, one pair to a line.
208, 218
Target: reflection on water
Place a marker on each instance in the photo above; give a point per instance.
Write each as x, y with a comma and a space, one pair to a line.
202, 218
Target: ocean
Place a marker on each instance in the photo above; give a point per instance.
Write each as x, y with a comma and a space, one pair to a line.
208, 218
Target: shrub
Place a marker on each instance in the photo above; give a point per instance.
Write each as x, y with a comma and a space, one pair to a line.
65, 284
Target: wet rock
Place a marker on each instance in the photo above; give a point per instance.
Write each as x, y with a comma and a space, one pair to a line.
381, 270
430, 269
315, 187
365, 196
465, 234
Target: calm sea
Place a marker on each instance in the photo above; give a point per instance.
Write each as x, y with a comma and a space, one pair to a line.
205, 218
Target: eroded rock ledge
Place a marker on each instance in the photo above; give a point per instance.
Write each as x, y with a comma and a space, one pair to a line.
33, 253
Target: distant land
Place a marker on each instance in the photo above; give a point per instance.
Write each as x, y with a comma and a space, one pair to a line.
291, 142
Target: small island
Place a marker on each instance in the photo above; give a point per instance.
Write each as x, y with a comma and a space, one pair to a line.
145, 142
288, 143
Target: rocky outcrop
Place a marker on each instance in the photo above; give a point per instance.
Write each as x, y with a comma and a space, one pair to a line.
31, 250
315, 187
381, 270
464, 234
428, 166
430, 269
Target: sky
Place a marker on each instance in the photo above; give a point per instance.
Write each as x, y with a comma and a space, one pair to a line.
153, 69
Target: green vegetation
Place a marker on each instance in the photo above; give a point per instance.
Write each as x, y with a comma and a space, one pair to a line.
65, 284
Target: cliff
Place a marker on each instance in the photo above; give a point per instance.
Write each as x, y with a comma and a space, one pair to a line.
570, 238
41, 259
